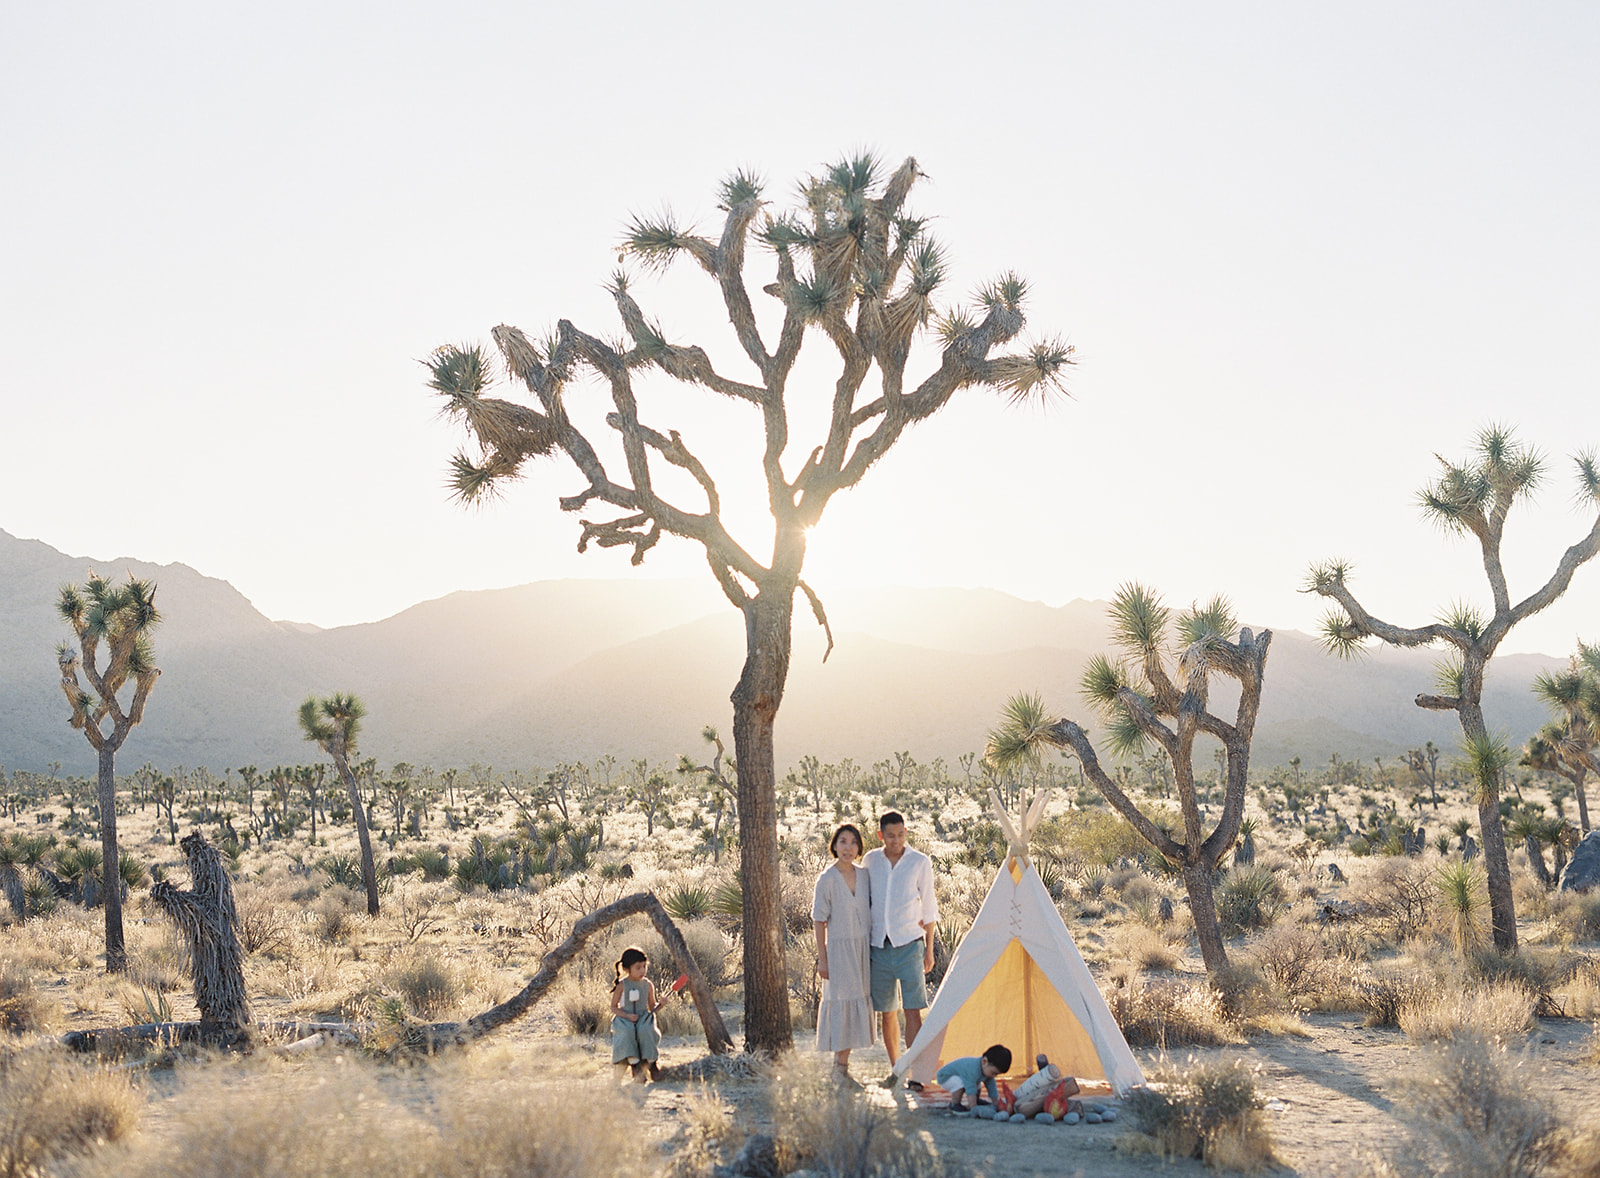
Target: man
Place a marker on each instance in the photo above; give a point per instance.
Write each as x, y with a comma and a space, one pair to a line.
904, 912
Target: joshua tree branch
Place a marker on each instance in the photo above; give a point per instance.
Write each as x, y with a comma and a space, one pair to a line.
1068, 734
1394, 635
820, 614
1439, 703
1571, 561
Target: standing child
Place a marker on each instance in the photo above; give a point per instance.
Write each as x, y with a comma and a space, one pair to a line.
635, 1042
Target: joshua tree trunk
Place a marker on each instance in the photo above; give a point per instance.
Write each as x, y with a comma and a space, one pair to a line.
755, 708
110, 856
369, 871
207, 918
1203, 907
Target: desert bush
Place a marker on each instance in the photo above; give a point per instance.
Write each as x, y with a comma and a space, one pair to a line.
52, 1108
1243, 991
22, 1007
1386, 995
1577, 914
587, 1011
1462, 888
1398, 894
688, 902
1294, 958
707, 1134
819, 1125
1248, 898
332, 915
428, 986
1539, 973
1207, 1110
1085, 838
1143, 946
1169, 1014
1500, 1011
1470, 1112
263, 925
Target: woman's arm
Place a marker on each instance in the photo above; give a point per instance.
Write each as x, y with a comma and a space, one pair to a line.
821, 927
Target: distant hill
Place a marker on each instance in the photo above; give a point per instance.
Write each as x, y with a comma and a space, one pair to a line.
563, 670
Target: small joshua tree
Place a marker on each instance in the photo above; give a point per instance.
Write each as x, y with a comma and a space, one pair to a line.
1567, 745
206, 917
121, 617
332, 723
1473, 497
1155, 694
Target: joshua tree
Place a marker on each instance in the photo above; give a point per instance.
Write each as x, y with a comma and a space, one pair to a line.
1424, 762
122, 617
722, 791
332, 722
1151, 693
851, 265
1568, 746
1472, 497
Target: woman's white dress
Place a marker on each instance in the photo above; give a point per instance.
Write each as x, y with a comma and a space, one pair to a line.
844, 1019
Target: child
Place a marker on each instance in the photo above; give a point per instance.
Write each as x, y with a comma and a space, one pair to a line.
961, 1078
635, 1042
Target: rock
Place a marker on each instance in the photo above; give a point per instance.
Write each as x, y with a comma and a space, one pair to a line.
1469, 849
1098, 1109
1092, 1118
1166, 909
1335, 874
985, 1111
1071, 1119
1583, 869
1109, 1115
757, 1157
1045, 1119
1018, 1119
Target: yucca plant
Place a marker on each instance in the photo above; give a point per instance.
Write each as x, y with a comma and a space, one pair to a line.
1461, 890
115, 621
688, 902
847, 259
1472, 497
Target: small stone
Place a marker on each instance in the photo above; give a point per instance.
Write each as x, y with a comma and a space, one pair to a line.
1109, 1115
1045, 1119
1018, 1118
985, 1112
1070, 1119
1098, 1108
1092, 1118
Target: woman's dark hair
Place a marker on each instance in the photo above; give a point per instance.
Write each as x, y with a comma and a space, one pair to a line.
833, 847
631, 956
1000, 1057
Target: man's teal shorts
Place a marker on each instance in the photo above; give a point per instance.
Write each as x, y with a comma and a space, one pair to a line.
897, 977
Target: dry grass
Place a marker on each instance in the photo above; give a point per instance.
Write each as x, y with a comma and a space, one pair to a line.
706, 1134
1170, 1014
22, 1008
820, 1126
1144, 947
52, 1107
331, 1117
1498, 1012
1210, 1111
428, 986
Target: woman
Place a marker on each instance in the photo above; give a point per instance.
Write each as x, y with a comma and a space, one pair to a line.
842, 914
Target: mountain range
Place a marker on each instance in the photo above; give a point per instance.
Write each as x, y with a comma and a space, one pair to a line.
572, 670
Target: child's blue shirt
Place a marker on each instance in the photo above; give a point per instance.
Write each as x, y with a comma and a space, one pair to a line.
970, 1069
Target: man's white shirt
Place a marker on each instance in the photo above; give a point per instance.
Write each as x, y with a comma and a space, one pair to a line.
906, 889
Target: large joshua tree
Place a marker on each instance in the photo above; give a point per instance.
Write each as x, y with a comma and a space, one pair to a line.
848, 268
1472, 497
121, 617
1154, 692
1567, 744
333, 723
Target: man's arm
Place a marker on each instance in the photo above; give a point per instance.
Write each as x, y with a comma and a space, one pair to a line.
930, 913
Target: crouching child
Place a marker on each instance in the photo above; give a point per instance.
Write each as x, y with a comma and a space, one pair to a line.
962, 1078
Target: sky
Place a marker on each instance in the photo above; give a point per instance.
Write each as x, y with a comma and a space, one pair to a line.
1300, 250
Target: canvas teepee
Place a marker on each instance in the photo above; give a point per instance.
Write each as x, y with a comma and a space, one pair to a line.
1018, 979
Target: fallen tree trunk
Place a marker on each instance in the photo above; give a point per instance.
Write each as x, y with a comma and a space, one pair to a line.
115, 1040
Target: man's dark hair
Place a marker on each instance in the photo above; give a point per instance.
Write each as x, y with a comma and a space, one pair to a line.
892, 818
1000, 1057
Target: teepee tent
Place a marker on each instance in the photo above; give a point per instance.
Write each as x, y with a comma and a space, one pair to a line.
1017, 979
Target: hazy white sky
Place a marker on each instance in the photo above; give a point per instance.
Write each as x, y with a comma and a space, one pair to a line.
1300, 250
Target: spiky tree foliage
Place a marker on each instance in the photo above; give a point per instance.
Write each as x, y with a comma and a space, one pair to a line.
1567, 746
114, 622
333, 722
1472, 497
852, 271
1156, 689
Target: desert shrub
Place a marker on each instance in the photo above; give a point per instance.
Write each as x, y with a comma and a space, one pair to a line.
1577, 914
707, 1134
53, 1108
22, 1007
428, 986
1500, 1011
1537, 973
1143, 946
1470, 1112
1294, 958
1243, 991
1398, 895
331, 915
1248, 898
821, 1126
1464, 896
1207, 1110
1169, 1014
1386, 995
587, 1011
688, 902
344, 870
1083, 838
263, 924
